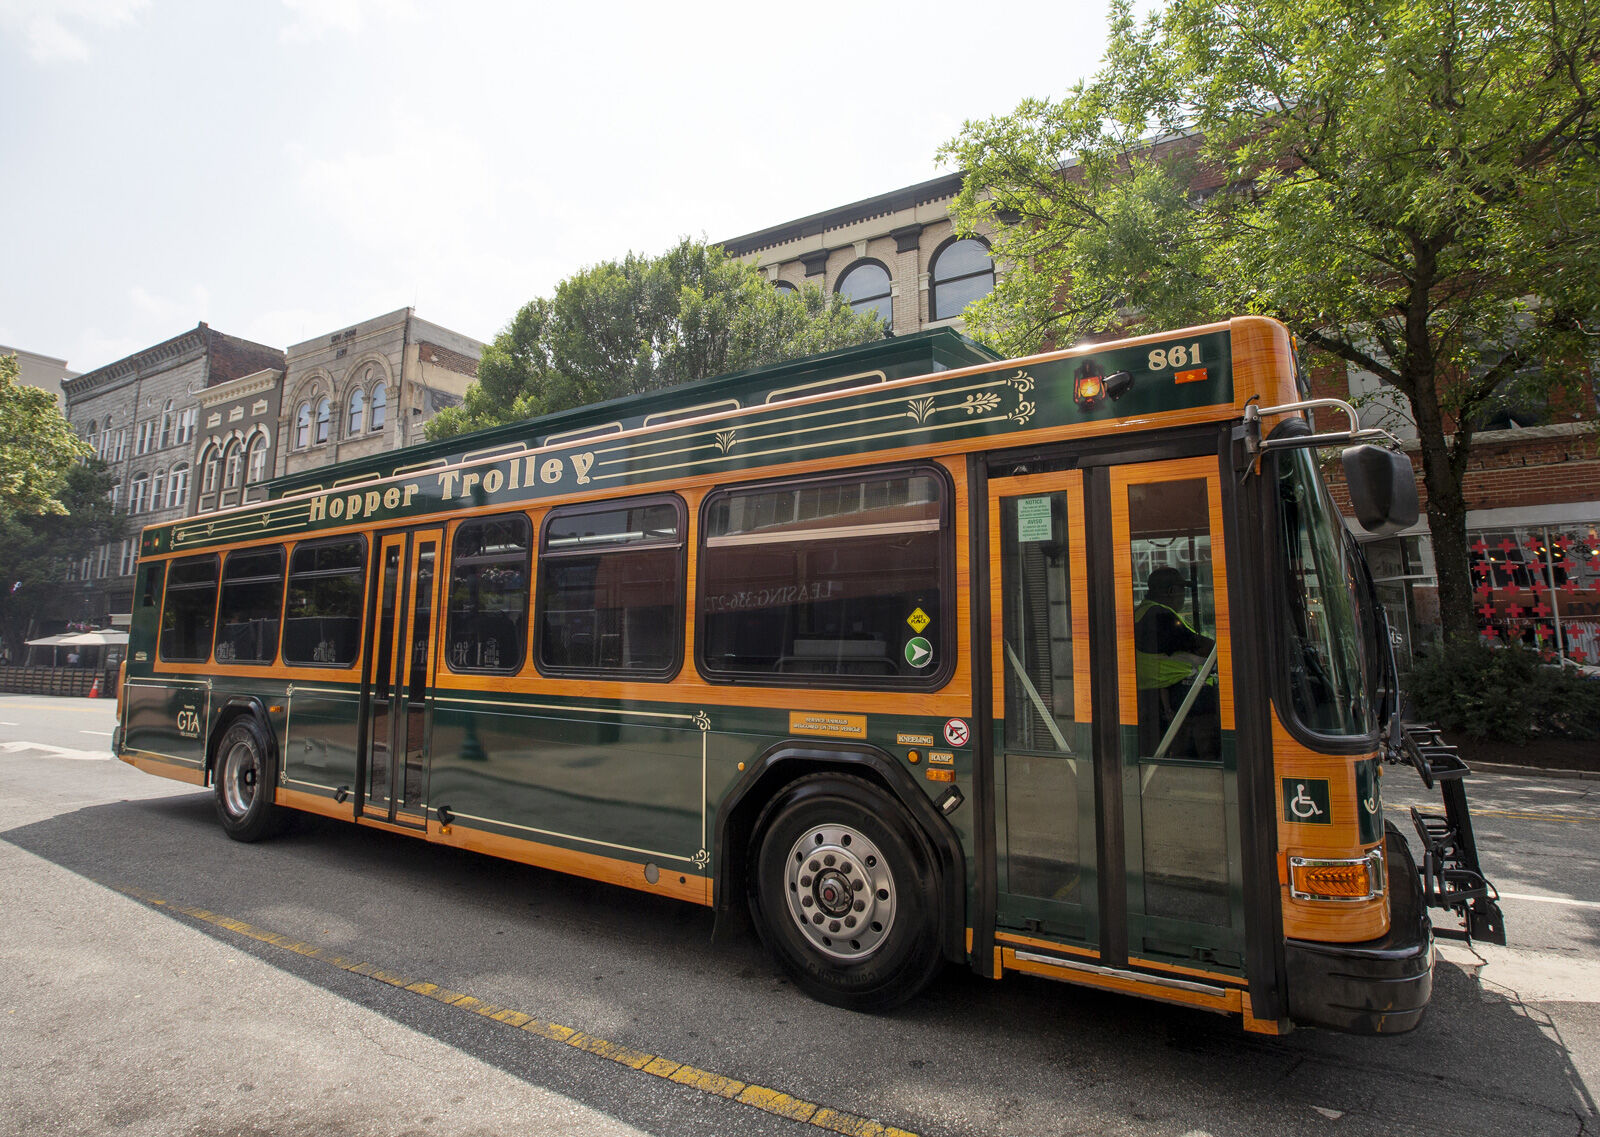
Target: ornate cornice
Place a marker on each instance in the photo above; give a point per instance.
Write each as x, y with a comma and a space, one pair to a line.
267, 379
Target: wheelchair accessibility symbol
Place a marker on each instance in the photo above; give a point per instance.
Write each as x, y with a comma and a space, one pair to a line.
1305, 801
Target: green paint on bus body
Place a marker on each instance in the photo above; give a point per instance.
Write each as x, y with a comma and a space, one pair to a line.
877, 419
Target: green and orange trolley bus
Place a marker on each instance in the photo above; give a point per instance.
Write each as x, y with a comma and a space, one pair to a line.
1064, 665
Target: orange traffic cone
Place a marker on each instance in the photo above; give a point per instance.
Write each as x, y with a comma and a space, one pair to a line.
94, 692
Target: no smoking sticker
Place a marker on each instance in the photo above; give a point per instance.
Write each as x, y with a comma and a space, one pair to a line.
956, 732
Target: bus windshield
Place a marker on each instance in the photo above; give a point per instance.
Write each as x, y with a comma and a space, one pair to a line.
1328, 688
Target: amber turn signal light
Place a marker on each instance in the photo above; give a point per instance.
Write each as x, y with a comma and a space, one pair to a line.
1347, 879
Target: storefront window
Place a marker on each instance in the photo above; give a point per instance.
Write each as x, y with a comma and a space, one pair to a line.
1539, 586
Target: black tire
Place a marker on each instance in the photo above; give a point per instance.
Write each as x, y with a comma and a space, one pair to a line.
839, 848
242, 778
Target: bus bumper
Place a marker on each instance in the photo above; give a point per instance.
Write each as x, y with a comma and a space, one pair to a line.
1378, 987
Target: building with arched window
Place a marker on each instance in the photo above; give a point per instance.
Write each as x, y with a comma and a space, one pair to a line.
896, 254
239, 427
141, 412
369, 388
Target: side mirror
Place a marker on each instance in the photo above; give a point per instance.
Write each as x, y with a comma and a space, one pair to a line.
1383, 489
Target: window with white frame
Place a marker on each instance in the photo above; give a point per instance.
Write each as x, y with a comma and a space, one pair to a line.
302, 426
139, 495
208, 465
146, 436
358, 412
256, 465
130, 551
380, 406
103, 564
166, 425
158, 489
324, 416
178, 487
186, 422
232, 466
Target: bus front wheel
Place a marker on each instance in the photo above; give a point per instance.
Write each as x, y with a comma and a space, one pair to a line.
242, 780
844, 895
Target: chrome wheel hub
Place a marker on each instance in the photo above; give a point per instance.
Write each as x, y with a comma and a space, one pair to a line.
241, 769
841, 893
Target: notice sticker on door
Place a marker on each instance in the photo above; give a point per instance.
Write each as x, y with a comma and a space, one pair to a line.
1033, 519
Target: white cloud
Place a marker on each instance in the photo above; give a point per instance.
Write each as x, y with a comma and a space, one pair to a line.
58, 31
180, 311
316, 19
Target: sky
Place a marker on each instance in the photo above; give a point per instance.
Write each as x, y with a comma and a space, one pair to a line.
282, 169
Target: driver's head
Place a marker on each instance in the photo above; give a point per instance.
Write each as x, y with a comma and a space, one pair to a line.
1166, 586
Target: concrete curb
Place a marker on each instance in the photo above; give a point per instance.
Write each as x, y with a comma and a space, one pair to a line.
1533, 771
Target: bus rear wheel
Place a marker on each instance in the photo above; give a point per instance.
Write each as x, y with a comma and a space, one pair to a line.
844, 895
242, 780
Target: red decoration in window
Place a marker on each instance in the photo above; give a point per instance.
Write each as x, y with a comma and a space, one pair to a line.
1541, 609
1507, 545
1513, 612
1479, 547
1487, 611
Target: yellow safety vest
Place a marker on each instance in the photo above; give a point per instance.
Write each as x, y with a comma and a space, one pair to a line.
1155, 670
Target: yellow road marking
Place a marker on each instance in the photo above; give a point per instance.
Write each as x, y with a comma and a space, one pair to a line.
756, 1097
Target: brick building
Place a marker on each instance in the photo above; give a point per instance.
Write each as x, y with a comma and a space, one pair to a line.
1532, 490
140, 413
1533, 486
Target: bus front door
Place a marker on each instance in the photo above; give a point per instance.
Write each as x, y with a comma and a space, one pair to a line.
400, 657
1116, 797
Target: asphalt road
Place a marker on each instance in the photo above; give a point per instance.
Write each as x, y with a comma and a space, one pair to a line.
162, 979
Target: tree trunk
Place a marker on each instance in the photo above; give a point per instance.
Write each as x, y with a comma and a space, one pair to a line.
1442, 468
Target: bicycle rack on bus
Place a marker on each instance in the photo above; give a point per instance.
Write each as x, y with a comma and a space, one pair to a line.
1451, 875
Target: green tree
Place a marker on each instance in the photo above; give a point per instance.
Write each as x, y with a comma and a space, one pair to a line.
1412, 185
643, 323
37, 446
35, 548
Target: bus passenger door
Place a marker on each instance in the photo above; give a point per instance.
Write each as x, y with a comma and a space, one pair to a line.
1116, 802
1045, 825
1175, 754
400, 659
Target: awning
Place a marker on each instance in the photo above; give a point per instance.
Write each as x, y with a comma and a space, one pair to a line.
103, 637
46, 641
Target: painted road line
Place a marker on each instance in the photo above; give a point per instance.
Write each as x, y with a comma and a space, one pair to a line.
67, 704
757, 1097
57, 751
1550, 899
101, 733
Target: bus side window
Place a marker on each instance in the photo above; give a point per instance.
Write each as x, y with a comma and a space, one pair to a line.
827, 580
611, 586
322, 613
252, 600
487, 624
190, 610
154, 576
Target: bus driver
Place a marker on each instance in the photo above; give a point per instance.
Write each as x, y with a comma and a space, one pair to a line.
1167, 654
